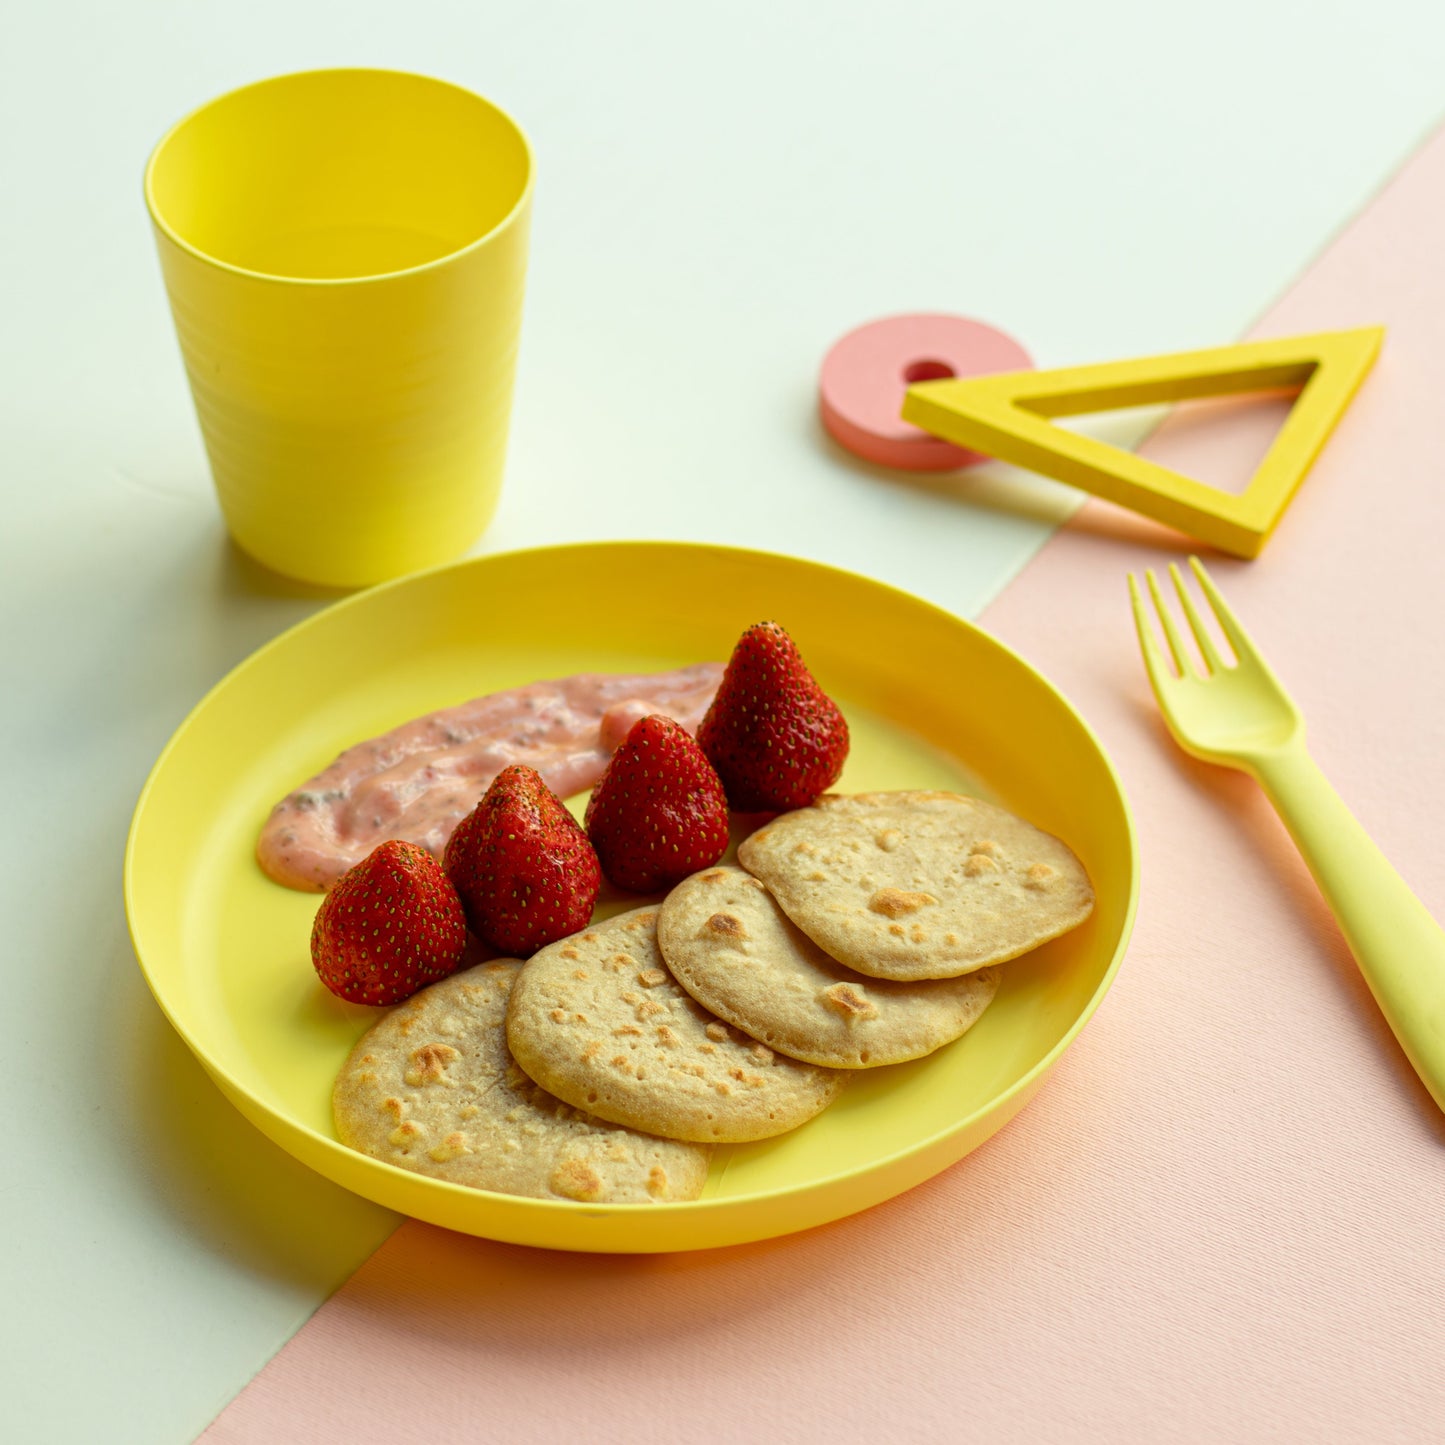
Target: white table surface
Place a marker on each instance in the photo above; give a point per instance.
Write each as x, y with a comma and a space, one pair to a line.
721, 192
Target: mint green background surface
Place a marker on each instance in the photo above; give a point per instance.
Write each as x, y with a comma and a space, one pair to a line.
720, 195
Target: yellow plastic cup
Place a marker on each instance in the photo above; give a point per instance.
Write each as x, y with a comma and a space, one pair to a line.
344, 252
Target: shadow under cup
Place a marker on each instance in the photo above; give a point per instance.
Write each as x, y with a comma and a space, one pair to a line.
345, 252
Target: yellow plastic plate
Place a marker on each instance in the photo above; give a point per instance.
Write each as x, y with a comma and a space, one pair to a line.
931, 700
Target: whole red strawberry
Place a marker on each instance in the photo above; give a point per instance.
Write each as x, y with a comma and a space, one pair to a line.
775, 737
659, 812
392, 925
526, 873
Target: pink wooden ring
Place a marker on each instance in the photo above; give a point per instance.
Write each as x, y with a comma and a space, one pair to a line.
864, 377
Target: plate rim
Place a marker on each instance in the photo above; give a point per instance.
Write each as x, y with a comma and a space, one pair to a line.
1018, 1093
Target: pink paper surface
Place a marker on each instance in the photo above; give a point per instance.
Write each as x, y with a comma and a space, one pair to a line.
1224, 1216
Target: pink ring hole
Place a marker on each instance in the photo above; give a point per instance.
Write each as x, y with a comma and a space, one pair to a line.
927, 371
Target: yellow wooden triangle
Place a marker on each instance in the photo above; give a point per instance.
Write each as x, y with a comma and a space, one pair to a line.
1007, 416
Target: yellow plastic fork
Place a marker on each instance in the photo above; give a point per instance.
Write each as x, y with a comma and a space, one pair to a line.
1238, 715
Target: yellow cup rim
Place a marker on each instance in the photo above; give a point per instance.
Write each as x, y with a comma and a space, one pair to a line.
508, 221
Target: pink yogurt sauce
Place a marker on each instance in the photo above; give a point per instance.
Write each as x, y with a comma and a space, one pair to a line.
420, 780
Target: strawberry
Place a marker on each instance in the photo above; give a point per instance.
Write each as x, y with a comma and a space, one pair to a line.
775, 737
659, 812
391, 925
522, 864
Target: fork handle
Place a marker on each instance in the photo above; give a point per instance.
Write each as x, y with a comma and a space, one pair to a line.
1398, 946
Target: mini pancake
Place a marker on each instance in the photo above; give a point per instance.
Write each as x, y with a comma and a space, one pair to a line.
918, 885
433, 1088
736, 952
599, 1021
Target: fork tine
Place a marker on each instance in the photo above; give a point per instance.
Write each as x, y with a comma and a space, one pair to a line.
1171, 628
1154, 663
1228, 622
1212, 660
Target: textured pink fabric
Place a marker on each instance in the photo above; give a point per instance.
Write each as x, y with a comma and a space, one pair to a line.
1224, 1217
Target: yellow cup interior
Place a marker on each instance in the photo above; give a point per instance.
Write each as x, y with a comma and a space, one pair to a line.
338, 174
